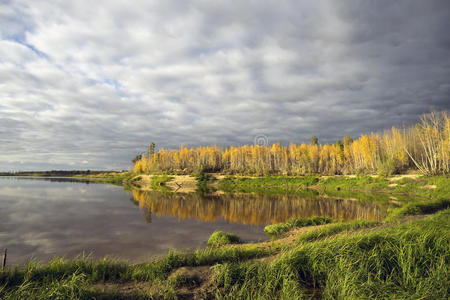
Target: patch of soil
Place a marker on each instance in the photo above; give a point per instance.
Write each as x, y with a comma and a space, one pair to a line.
179, 183
193, 282
121, 290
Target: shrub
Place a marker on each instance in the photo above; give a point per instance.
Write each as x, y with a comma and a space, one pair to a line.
220, 238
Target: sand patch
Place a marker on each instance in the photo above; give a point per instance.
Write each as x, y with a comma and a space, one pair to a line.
430, 186
182, 184
398, 177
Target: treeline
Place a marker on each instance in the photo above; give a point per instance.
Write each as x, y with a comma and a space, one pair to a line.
62, 173
424, 147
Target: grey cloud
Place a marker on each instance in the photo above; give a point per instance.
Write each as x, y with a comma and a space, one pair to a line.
96, 81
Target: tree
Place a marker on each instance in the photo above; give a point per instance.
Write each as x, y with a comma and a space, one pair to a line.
150, 150
314, 140
347, 140
138, 157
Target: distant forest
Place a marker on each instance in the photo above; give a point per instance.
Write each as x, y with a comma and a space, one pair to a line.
424, 147
52, 173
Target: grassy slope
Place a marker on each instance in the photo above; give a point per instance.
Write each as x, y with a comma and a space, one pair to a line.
405, 261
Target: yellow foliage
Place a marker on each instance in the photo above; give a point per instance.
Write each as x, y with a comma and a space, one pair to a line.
424, 146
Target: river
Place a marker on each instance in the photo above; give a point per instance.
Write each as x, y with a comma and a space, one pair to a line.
45, 217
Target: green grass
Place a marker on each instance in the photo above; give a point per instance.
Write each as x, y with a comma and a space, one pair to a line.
258, 184
422, 187
333, 229
405, 262
74, 286
255, 184
203, 183
275, 230
158, 182
37, 278
361, 182
220, 238
362, 187
416, 208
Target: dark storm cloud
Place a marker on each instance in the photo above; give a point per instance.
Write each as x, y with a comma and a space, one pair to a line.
89, 84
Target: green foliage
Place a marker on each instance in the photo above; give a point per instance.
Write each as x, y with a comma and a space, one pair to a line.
220, 238
403, 262
275, 230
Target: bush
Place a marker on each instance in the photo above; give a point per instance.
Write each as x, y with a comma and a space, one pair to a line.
220, 238
386, 168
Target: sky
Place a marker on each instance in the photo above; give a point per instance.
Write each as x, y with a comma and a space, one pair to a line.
88, 84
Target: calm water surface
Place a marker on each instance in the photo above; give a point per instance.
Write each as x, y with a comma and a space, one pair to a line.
42, 218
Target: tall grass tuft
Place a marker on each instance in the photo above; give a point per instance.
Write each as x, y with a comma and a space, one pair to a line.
74, 286
333, 229
275, 230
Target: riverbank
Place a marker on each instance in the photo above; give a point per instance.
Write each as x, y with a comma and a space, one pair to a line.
404, 258
398, 189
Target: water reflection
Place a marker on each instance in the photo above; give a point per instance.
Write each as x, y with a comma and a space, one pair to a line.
254, 209
43, 218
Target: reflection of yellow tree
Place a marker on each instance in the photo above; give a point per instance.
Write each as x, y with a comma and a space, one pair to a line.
252, 209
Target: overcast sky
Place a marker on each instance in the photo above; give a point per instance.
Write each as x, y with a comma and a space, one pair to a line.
88, 84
